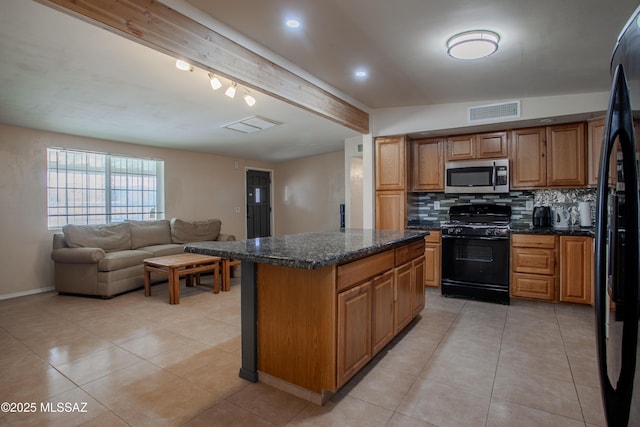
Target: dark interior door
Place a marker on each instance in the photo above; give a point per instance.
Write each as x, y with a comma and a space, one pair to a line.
258, 204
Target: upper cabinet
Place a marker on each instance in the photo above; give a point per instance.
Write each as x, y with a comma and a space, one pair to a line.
478, 146
552, 156
427, 165
566, 155
391, 161
528, 158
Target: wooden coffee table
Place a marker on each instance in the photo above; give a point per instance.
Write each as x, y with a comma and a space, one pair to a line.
176, 266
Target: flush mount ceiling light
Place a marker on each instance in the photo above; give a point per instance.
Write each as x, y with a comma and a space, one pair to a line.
215, 82
231, 91
473, 44
183, 65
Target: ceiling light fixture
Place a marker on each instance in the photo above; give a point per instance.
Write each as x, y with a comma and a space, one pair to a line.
361, 74
215, 82
231, 91
183, 65
473, 44
293, 23
250, 100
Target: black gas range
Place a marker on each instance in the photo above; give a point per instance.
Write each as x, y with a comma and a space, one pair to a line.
475, 252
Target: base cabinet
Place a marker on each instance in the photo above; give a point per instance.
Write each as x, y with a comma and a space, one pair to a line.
433, 260
383, 314
576, 261
533, 266
354, 330
377, 308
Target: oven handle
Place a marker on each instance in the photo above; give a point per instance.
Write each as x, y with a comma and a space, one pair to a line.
445, 236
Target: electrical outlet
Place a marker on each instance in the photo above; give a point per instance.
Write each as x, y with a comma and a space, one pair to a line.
436, 205
529, 205
237, 210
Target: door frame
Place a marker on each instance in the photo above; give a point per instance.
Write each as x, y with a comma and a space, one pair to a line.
271, 198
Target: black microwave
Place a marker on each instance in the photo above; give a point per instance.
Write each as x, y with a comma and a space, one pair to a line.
477, 176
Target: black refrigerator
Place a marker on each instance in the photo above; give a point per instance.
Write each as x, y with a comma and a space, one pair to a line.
617, 304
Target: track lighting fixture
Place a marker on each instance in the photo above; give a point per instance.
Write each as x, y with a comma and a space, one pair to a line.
231, 91
215, 82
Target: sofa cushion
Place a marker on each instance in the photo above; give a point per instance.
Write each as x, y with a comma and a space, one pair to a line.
147, 233
163, 250
122, 259
110, 237
194, 231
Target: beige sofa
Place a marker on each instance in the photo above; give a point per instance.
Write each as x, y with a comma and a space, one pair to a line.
106, 260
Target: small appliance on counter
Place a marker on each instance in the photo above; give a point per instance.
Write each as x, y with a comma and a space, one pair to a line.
584, 209
561, 218
542, 216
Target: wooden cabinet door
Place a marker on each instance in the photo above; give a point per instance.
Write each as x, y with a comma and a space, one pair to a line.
461, 147
432, 260
382, 319
528, 158
390, 163
427, 165
491, 145
576, 258
390, 210
354, 331
595, 132
566, 155
418, 269
403, 311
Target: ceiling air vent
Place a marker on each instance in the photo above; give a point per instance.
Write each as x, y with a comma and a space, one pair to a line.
252, 124
503, 110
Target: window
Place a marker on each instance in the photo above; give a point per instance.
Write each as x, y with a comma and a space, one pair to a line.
95, 188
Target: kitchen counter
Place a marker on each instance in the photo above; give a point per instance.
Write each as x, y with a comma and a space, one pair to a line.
515, 229
316, 307
309, 250
571, 231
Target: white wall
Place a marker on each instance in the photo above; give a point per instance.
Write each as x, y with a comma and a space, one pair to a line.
309, 192
398, 121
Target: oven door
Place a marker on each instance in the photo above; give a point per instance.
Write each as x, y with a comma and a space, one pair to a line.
476, 267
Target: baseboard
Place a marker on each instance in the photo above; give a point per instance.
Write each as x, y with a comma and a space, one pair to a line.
25, 293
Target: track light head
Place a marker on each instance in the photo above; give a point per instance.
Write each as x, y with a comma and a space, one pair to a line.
231, 91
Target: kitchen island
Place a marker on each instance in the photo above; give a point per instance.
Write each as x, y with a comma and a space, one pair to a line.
316, 307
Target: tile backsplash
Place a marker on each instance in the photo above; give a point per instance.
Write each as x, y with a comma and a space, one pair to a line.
422, 206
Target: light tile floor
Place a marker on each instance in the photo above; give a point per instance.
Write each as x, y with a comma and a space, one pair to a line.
140, 361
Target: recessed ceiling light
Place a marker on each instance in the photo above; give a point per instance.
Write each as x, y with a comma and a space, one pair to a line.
361, 74
293, 23
473, 44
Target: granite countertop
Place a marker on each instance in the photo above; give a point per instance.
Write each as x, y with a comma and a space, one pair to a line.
309, 250
571, 231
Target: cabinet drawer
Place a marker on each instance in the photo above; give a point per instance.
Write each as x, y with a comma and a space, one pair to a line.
533, 260
533, 241
408, 252
533, 286
357, 271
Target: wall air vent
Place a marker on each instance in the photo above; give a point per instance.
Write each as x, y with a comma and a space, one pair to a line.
252, 124
503, 110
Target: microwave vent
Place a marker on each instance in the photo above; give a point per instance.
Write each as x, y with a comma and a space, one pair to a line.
503, 110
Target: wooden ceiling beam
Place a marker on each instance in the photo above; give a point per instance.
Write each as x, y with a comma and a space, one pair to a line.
159, 27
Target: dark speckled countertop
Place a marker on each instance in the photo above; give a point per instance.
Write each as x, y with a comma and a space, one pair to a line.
309, 250
571, 231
